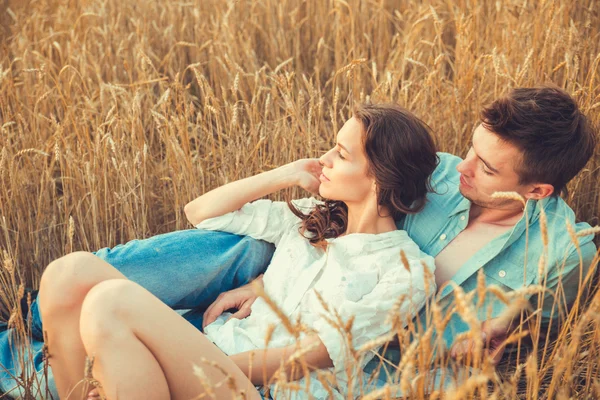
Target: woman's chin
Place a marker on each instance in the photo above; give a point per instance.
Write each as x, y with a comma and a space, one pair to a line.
326, 195
323, 193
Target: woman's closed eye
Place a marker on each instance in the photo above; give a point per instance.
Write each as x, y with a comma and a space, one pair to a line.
340, 155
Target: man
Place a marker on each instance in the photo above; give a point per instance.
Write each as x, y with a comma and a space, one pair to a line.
531, 142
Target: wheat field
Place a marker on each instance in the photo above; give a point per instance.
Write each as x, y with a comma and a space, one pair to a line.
115, 113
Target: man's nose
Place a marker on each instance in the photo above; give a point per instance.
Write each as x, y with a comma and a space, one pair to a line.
465, 167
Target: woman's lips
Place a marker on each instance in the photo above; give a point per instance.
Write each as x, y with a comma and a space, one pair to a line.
323, 178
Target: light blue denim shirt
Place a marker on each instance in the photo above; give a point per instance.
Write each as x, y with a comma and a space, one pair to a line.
511, 260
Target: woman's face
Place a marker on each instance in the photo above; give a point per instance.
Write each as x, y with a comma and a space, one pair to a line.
345, 167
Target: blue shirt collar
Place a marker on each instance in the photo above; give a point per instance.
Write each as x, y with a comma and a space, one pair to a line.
532, 208
530, 215
462, 206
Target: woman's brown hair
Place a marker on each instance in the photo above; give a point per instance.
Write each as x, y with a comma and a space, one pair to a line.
401, 156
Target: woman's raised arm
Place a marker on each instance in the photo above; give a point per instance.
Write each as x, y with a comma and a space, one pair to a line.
234, 195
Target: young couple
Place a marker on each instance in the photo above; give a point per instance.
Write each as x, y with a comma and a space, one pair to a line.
385, 191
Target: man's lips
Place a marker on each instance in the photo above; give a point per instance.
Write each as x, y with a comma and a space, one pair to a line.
323, 178
464, 181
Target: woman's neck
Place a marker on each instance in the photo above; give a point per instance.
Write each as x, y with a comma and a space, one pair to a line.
369, 218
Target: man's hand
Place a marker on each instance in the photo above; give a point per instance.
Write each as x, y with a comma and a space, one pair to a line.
240, 299
493, 334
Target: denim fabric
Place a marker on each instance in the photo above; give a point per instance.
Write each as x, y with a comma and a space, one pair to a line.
185, 269
436, 378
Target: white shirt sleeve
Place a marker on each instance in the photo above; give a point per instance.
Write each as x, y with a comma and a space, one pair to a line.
262, 219
371, 313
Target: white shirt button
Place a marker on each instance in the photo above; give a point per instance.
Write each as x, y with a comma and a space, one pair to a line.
462, 218
443, 237
502, 273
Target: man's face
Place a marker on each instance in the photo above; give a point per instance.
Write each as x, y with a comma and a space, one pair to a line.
489, 167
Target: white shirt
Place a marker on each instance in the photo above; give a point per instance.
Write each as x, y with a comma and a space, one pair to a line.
359, 275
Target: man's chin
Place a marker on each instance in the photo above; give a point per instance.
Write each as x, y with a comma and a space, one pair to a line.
476, 201
470, 197
465, 194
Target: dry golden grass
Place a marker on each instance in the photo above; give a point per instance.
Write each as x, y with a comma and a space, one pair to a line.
115, 113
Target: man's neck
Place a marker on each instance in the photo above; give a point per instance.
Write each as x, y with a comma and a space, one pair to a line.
495, 216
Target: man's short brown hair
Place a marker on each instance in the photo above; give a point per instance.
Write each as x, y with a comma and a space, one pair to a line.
556, 139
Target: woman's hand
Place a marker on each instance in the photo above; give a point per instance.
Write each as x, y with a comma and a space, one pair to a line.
241, 299
307, 172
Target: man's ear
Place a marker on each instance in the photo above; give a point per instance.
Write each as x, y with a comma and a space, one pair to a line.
539, 191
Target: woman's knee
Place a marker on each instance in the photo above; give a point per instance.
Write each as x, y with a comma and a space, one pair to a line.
66, 281
105, 312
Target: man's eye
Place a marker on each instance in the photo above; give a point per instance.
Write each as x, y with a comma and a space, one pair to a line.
485, 171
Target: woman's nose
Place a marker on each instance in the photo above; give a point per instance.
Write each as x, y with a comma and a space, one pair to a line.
324, 160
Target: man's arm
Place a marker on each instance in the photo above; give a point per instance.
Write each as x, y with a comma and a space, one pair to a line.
566, 282
569, 276
261, 365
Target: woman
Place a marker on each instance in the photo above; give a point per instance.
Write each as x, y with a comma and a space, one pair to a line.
345, 251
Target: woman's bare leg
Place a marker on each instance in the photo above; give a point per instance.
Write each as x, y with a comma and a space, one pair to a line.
60, 301
144, 350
